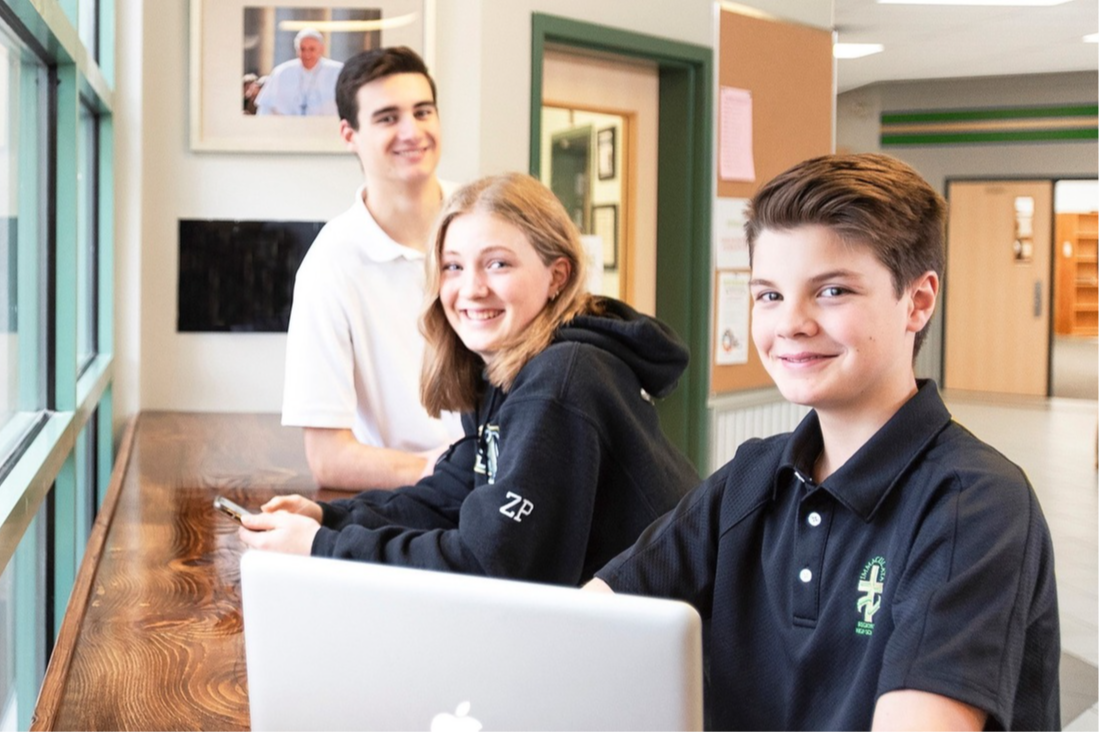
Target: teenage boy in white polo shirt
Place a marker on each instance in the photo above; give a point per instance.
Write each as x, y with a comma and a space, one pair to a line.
354, 350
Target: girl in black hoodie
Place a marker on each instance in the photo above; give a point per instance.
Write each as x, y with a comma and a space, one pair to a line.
563, 463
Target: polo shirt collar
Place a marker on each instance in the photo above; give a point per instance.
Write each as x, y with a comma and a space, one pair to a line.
863, 482
380, 247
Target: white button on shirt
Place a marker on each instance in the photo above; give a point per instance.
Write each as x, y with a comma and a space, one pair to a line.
813, 519
805, 575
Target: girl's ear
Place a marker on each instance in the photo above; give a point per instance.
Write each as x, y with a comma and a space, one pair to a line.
560, 270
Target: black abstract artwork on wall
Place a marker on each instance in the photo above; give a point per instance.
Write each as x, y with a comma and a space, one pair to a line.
239, 275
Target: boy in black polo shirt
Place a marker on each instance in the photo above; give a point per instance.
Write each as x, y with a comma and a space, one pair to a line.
880, 566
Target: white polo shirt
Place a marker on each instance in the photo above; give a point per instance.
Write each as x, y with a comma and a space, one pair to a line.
354, 351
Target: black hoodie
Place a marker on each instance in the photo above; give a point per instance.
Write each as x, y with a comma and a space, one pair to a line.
553, 479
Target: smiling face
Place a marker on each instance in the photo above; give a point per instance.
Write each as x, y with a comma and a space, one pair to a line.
310, 51
493, 283
828, 324
397, 139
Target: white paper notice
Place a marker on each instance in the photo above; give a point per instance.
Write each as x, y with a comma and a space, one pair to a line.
733, 303
735, 139
593, 247
730, 243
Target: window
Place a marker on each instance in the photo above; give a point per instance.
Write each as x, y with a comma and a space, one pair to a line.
55, 323
8, 695
87, 504
87, 290
9, 254
22, 244
88, 26
23, 627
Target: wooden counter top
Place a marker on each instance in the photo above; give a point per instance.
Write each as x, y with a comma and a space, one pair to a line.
152, 638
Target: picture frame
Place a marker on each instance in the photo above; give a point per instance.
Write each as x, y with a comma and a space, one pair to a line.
605, 153
604, 224
224, 34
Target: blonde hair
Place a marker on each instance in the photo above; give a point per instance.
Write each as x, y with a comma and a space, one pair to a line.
451, 372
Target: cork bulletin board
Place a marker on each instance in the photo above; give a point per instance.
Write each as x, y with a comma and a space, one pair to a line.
788, 71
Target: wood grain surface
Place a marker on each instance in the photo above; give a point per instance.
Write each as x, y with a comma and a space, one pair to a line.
152, 639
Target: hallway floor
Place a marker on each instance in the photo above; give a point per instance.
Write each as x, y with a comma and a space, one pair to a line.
1054, 441
1075, 373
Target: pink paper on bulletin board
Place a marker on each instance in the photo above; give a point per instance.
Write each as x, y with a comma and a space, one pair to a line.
735, 155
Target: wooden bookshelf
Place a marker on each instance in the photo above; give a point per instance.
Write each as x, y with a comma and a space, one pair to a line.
1076, 249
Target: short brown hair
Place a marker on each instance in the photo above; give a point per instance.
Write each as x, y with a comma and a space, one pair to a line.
451, 372
869, 199
365, 67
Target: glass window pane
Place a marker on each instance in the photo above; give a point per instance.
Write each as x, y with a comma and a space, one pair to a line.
87, 241
85, 487
88, 26
9, 251
23, 627
8, 697
22, 245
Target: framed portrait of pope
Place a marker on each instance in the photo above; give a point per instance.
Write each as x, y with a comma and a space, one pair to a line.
263, 72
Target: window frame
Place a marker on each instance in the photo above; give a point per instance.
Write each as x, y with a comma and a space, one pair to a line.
44, 491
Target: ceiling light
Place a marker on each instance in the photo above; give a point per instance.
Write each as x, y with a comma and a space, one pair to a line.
972, 2
856, 50
1091, 38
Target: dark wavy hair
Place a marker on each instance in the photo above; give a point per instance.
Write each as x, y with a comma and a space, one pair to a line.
868, 199
365, 67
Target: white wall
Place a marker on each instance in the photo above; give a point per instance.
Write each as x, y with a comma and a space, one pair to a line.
159, 181
482, 66
1076, 196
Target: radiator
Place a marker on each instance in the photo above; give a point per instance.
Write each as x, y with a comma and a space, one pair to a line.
735, 418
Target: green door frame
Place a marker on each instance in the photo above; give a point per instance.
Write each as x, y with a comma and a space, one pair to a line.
684, 192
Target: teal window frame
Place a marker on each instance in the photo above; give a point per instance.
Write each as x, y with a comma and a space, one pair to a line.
49, 480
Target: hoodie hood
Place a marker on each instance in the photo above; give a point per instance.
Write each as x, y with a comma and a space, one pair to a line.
650, 348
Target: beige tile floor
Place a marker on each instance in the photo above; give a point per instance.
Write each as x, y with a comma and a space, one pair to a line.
1074, 371
1054, 441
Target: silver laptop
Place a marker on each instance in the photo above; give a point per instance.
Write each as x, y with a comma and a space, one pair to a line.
340, 645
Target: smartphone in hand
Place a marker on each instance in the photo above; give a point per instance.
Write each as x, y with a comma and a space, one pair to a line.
230, 509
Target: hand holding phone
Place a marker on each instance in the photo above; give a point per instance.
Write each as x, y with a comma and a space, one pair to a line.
230, 509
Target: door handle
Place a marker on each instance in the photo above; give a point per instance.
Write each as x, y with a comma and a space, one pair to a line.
1037, 298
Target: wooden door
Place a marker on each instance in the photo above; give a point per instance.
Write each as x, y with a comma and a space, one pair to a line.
997, 287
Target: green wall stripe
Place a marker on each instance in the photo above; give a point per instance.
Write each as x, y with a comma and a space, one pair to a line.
970, 137
961, 128
979, 114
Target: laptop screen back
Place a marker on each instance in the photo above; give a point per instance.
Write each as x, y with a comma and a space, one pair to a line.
345, 645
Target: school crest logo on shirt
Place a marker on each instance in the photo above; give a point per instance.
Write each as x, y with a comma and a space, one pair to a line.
488, 449
871, 585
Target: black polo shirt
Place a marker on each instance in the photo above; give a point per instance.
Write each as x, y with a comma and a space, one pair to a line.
923, 563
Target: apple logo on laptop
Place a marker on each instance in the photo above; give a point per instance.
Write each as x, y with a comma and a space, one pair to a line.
460, 721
